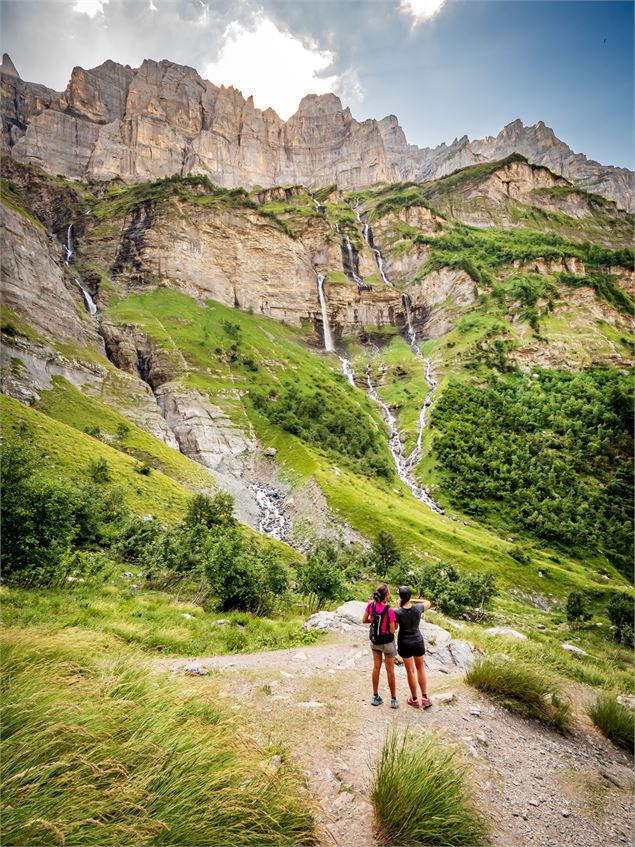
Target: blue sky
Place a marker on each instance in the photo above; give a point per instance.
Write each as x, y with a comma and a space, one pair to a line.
444, 68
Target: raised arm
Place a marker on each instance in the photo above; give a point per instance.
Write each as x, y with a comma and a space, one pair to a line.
421, 602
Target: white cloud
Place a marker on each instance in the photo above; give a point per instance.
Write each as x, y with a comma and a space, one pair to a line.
421, 10
274, 66
92, 8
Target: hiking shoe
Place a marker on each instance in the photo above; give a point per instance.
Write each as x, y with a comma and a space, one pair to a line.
394, 703
376, 701
412, 701
426, 702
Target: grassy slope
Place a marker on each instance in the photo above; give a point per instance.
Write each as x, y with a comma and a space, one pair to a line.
173, 319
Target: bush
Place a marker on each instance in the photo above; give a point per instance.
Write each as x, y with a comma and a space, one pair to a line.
421, 796
614, 720
620, 612
577, 608
243, 576
99, 471
209, 511
320, 573
38, 518
143, 468
385, 553
451, 591
522, 689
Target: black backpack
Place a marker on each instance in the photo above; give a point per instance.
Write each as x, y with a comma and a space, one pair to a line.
376, 625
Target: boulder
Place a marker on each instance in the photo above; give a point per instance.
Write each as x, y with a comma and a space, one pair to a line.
270, 452
573, 649
501, 630
627, 700
350, 613
320, 621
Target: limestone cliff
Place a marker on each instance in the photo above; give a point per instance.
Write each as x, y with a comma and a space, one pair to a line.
162, 118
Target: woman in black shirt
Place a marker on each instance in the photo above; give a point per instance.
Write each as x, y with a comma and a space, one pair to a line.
410, 645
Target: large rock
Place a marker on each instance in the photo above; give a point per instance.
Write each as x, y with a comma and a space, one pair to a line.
505, 632
443, 653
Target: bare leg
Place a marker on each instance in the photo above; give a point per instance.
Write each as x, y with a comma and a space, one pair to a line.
390, 673
421, 675
376, 668
412, 677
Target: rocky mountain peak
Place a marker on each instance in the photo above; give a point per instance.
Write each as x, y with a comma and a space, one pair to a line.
163, 118
319, 105
8, 68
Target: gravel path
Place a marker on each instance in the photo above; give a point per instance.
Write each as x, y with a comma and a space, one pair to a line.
537, 787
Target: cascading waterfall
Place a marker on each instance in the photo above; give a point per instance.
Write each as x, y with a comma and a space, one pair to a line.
68, 248
272, 521
329, 347
318, 206
405, 465
90, 303
368, 238
347, 370
351, 258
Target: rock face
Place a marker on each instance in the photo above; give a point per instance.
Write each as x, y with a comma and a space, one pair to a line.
162, 118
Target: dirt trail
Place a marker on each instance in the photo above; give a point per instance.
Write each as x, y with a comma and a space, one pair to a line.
537, 787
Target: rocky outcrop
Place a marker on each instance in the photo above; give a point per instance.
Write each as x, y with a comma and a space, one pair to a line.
37, 287
162, 118
439, 298
443, 653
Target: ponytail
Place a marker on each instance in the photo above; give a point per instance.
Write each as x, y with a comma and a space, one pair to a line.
380, 593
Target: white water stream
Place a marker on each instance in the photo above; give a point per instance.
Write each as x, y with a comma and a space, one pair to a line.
368, 237
347, 370
329, 347
68, 251
272, 521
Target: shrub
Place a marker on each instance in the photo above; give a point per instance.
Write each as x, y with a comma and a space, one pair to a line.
620, 612
143, 468
451, 591
385, 553
421, 796
209, 511
99, 471
38, 518
522, 689
577, 608
614, 720
320, 573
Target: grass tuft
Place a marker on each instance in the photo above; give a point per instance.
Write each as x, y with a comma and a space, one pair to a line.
420, 794
523, 689
97, 750
614, 720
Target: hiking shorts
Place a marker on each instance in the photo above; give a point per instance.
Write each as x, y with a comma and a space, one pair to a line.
407, 651
389, 650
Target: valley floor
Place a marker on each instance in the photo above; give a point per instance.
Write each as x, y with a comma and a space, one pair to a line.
537, 787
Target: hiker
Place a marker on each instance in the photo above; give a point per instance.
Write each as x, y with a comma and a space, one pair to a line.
410, 645
382, 642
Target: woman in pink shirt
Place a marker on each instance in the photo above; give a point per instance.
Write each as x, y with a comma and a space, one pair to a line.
382, 642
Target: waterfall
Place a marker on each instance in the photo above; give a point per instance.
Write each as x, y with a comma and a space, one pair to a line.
90, 303
368, 238
326, 329
351, 258
318, 206
347, 370
68, 248
407, 304
272, 521
406, 465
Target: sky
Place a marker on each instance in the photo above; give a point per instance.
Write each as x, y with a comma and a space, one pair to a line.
446, 68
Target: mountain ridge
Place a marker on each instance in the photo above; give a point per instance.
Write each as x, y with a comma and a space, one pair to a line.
163, 118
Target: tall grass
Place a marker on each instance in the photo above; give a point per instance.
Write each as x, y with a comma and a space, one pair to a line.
614, 720
421, 796
521, 688
98, 751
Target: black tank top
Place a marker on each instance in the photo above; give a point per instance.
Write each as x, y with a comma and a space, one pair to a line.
409, 620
